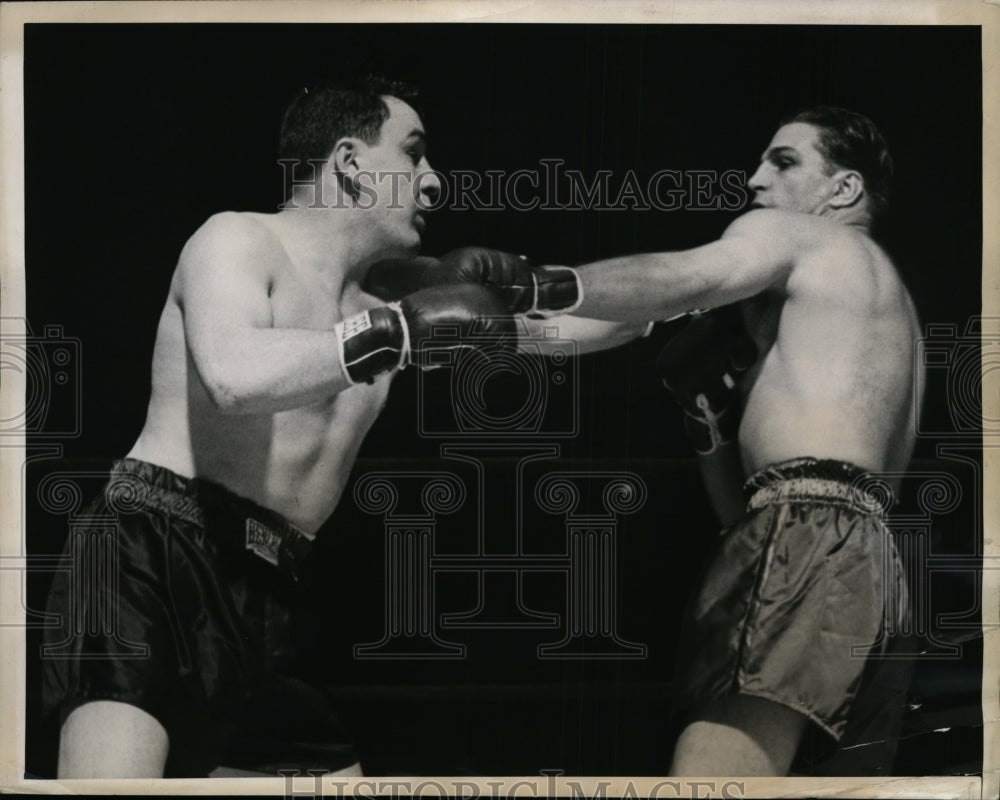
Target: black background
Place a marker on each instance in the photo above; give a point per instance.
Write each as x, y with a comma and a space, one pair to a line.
136, 134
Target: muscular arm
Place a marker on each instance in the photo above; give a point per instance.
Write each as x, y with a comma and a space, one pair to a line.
590, 335
756, 252
246, 365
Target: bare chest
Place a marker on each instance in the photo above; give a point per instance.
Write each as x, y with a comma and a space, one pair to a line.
303, 302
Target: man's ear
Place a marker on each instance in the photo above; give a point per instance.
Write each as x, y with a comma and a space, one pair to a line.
344, 158
848, 188
343, 163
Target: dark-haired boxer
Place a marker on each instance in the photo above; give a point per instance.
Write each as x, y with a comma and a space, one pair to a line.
806, 579
270, 364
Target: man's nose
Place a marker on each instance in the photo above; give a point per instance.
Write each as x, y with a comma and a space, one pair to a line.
758, 180
430, 185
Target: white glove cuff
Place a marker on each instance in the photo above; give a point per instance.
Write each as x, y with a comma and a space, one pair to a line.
404, 355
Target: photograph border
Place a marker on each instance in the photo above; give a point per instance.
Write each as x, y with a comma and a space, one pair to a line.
13, 17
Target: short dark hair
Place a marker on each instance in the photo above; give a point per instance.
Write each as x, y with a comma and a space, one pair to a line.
321, 114
849, 140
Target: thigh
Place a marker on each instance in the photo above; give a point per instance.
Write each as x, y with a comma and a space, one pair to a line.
739, 735
107, 739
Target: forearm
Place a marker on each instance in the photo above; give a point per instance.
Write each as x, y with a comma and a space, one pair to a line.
643, 287
253, 369
588, 335
701, 365
755, 253
266, 370
632, 289
722, 474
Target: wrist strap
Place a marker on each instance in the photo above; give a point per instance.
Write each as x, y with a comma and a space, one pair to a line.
372, 343
543, 307
342, 332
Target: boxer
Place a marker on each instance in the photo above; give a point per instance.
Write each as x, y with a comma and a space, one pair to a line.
806, 568
270, 364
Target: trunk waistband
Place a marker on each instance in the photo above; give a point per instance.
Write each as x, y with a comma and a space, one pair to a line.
267, 534
824, 480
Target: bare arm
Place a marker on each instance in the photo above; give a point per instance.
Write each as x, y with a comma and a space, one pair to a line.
248, 366
590, 335
511, 276
756, 252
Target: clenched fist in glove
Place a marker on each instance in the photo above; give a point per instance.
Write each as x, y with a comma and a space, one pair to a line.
701, 366
525, 288
424, 328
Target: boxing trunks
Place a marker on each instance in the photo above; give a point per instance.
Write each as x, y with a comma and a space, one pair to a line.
803, 604
175, 597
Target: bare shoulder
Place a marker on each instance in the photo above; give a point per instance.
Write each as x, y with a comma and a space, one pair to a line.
804, 231
230, 232
229, 241
826, 257
850, 264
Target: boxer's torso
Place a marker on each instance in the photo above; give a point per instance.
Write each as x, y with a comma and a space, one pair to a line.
835, 376
295, 461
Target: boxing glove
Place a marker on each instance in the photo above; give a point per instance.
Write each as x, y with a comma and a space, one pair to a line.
537, 292
425, 328
701, 367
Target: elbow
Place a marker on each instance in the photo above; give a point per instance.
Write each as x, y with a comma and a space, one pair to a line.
227, 396
224, 380
227, 400
228, 403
